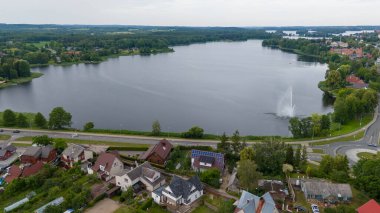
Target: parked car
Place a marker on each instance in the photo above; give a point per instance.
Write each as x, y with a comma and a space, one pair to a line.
314, 208
300, 209
74, 135
1, 130
16, 131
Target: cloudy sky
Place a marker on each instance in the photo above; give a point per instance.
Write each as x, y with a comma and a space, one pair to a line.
192, 12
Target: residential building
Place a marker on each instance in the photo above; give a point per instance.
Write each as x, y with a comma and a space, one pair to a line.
179, 192
250, 203
369, 207
6, 151
356, 82
144, 174
325, 191
32, 170
75, 153
353, 53
48, 153
13, 173
31, 155
275, 188
158, 153
107, 166
203, 160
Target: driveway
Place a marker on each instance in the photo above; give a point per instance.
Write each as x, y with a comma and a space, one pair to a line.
104, 206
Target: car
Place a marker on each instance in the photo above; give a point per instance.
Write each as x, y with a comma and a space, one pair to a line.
373, 145
314, 208
1, 130
16, 131
300, 208
74, 135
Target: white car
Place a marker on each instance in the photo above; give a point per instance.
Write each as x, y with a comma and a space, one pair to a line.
314, 208
74, 135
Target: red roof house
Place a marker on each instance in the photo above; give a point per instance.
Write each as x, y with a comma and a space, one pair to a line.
14, 172
108, 165
369, 207
356, 82
33, 169
158, 153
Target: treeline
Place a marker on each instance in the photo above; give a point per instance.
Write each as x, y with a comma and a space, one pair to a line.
12, 68
92, 44
304, 46
314, 126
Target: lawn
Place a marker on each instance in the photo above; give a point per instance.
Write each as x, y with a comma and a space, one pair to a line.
203, 209
319, 151
21, 144
93, 142
366, 155
4, 137
153, 209
355, 137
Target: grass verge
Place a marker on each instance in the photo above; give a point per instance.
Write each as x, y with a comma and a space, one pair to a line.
355, 137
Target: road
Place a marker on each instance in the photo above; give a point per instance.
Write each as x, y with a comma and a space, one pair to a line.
351, 148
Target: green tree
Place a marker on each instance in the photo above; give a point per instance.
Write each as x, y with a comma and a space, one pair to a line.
295, 127
247, 153
224, 146
227, 207
193, 132
316, 120
88, 126
303, 160
248, 175
9, 118
42, 140
367, 173
59, 118
289, 159
40, 120
297, 157
127, 195
59, 144
211, 177
156, 128
22, 120
23, 68
334, 79
236, 142
269, 157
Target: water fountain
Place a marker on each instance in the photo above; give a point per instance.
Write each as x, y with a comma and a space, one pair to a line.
285, 106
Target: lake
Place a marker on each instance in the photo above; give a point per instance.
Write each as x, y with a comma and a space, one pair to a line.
219, 86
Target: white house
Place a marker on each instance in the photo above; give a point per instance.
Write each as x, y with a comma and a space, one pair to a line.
143, 173
179, 192
75, 153
107, 166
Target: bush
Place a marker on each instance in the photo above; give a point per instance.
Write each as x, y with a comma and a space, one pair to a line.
193, 132
147, 204
211, 177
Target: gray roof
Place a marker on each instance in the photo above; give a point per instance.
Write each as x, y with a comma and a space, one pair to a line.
45, 151
2, 152
142, 171
34, 151
250, 202
73, 150
181, 187
326, 189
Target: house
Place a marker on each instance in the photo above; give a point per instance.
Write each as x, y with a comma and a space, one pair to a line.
144, 174
179, 192
233, 182
6, 151
325, 191
158, 153
75, 153
48, 153
275, 188
107, 166
356, 82
369, 207
339, 44
250, 203
31, 155
32, 170
353, 53
202, 160
13, 173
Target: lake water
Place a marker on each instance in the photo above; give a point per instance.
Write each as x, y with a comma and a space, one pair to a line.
220, 86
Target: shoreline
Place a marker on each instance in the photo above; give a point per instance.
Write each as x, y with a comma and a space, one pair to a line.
19, 81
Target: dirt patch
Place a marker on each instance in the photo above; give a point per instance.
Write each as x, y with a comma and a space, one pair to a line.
104, 206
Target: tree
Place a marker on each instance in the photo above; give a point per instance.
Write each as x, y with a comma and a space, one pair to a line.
127, 195
269, 157
247, 153
289, 159
22, 68
295, 127
9, 118
156, 128
287, 168
40, 120
248, 175
236, 142
367, 173
334, 79
42, 140
193, 132
226, 207
223, 146
22, 120
303, 160
316, 122
297, 157
59, 144
59, 118
211, 177
88, 126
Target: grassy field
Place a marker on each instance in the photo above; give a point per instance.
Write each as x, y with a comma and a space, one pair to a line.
93, 142
4, 137
154, 209
355, 137
203, 209
366, 155
40, 44
21, 144
319, 151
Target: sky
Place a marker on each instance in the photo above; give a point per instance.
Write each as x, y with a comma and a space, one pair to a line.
192, 12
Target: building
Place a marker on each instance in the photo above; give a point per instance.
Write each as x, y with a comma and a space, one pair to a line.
31, 155
202, 160
107, 166
275, 188
356, 82
6, 151
339, 44
369, 207
75, 153
37, 153
32, 170
13, 173
144, 174
250, 203
158, 153
352, 53
326, 192
179, 192
16, 172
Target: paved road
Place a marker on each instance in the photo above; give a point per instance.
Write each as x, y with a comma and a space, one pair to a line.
351, 148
